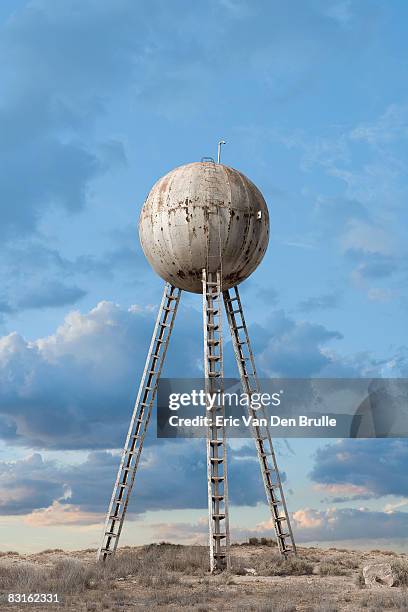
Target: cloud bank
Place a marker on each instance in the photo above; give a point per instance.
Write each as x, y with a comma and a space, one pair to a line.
74, 389
350, 462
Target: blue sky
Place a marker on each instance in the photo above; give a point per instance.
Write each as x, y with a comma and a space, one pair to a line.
97, 101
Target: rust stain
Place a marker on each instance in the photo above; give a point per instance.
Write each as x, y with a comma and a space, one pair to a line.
197, 194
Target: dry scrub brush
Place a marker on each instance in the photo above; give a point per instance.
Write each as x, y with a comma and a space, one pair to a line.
151, 565
332, 568
274, 564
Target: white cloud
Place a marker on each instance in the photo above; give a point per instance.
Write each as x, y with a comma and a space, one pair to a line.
74, 388
340, 11
62, 515
377, 294
348, 524
294, 348
366, 237
390, 126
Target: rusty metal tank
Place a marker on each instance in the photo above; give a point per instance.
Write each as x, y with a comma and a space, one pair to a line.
204, 215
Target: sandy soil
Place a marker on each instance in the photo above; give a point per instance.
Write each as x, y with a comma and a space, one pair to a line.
172, 577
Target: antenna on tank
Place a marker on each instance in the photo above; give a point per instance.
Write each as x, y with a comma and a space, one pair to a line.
220, 143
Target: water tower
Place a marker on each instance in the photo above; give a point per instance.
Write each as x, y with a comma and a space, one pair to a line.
204, 228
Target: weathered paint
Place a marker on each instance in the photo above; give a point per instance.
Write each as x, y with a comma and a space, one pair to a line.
204, 215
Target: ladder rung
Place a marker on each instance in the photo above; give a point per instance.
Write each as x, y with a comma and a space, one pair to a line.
106, 551
212, 284
214, 357
216, 442
219, 536
218, 516
213, 374
212, 325
111, 534
219, 497
217, 459
232, 299
213, 342
164, 324
217, 478
278, 519
114, 517
283, 535
219, 554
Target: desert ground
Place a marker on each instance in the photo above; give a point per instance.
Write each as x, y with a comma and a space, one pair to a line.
174, 577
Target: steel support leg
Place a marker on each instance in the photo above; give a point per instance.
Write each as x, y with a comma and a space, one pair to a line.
262, 436
139, 422
216, 443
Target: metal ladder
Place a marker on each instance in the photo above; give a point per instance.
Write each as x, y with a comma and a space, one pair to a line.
216, 443
139, 422
261, 434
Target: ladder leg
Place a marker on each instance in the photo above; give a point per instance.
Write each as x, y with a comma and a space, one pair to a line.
139, 422
262, 436
219, 539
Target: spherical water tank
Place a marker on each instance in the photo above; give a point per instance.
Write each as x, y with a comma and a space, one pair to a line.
204, 215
